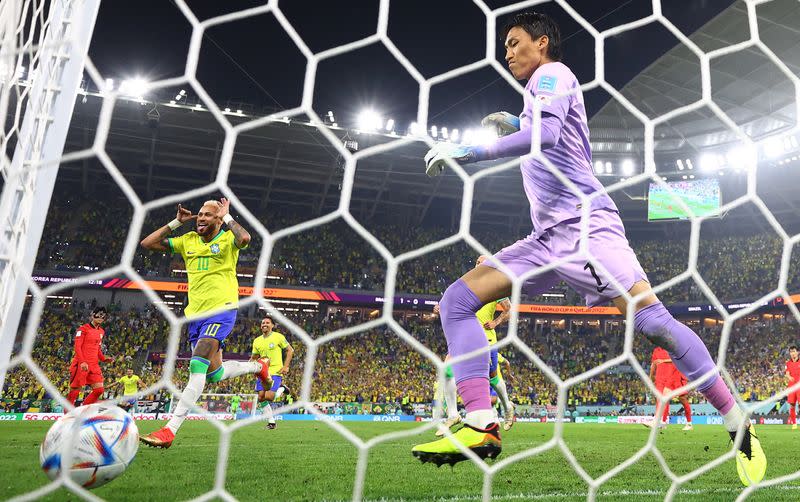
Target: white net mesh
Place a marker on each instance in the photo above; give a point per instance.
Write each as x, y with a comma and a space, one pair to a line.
24, 48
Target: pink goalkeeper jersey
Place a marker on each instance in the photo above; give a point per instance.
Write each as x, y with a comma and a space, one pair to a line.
552, 201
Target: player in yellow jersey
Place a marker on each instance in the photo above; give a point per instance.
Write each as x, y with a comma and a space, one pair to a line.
271, 345
131, 384
210, 254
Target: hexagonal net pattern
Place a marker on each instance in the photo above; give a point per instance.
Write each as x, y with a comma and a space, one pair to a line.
26, 48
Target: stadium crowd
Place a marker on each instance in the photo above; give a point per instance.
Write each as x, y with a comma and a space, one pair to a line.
335, 256
377, 366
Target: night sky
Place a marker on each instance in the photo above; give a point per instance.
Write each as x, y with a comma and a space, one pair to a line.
254, 61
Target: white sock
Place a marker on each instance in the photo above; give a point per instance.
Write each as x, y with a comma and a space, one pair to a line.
451, 397
279, 392
733, 419
502, 394
233, 369
192, 391
268, 412
481, 419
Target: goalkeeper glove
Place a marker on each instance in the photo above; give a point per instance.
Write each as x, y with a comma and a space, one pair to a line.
502, 122
435, 159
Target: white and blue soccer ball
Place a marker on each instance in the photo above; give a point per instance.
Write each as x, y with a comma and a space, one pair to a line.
95, 443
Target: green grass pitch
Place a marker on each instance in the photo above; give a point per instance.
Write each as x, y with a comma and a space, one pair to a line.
663, 206
310, 461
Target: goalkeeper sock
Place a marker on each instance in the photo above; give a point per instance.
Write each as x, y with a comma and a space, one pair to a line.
451, 397
465, 334
475, 394
197, 382
233, 369
688, 353
502, 394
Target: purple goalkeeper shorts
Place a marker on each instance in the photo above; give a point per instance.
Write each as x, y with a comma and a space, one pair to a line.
607, 245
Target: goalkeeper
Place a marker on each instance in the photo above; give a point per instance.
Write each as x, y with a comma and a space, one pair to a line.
533, 53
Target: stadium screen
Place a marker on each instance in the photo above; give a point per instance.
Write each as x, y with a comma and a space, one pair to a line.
701, 196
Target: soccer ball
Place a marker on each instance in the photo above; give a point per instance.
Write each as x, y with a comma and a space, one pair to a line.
96, 443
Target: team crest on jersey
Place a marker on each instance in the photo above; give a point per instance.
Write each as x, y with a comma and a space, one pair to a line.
272, 345
215, 248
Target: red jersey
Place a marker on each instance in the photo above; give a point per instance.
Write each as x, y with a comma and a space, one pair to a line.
87, 344
664, 371
793, 368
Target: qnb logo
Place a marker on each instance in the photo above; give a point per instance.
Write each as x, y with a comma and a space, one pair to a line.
386, 418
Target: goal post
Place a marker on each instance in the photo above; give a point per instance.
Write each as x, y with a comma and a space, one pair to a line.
57, 62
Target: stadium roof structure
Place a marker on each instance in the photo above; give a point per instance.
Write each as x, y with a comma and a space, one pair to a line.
746, 85
164, 149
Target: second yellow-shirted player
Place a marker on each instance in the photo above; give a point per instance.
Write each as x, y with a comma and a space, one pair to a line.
131, 384
271, 345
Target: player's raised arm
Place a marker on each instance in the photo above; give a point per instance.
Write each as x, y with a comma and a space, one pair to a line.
159, 240
241, 236
505, 315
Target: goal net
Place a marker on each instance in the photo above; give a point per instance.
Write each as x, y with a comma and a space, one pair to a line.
221, 406
42, 42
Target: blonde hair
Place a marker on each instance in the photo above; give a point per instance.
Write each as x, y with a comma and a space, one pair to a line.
212, 202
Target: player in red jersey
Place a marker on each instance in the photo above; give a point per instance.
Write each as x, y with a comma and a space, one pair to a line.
85, 367
792, 377
667, 378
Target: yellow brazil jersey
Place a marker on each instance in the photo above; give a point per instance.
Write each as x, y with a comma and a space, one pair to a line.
500, 361
129, 382
271, 346
211, 267
486, 314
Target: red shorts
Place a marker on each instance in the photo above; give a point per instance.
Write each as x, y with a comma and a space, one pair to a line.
78, 377
793, 397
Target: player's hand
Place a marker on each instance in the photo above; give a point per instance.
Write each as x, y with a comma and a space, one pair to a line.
84, 366
437, 309
184, 214
283, 371
110, 359
489, 325
436, 158
512, 379
503, 123
224, 208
